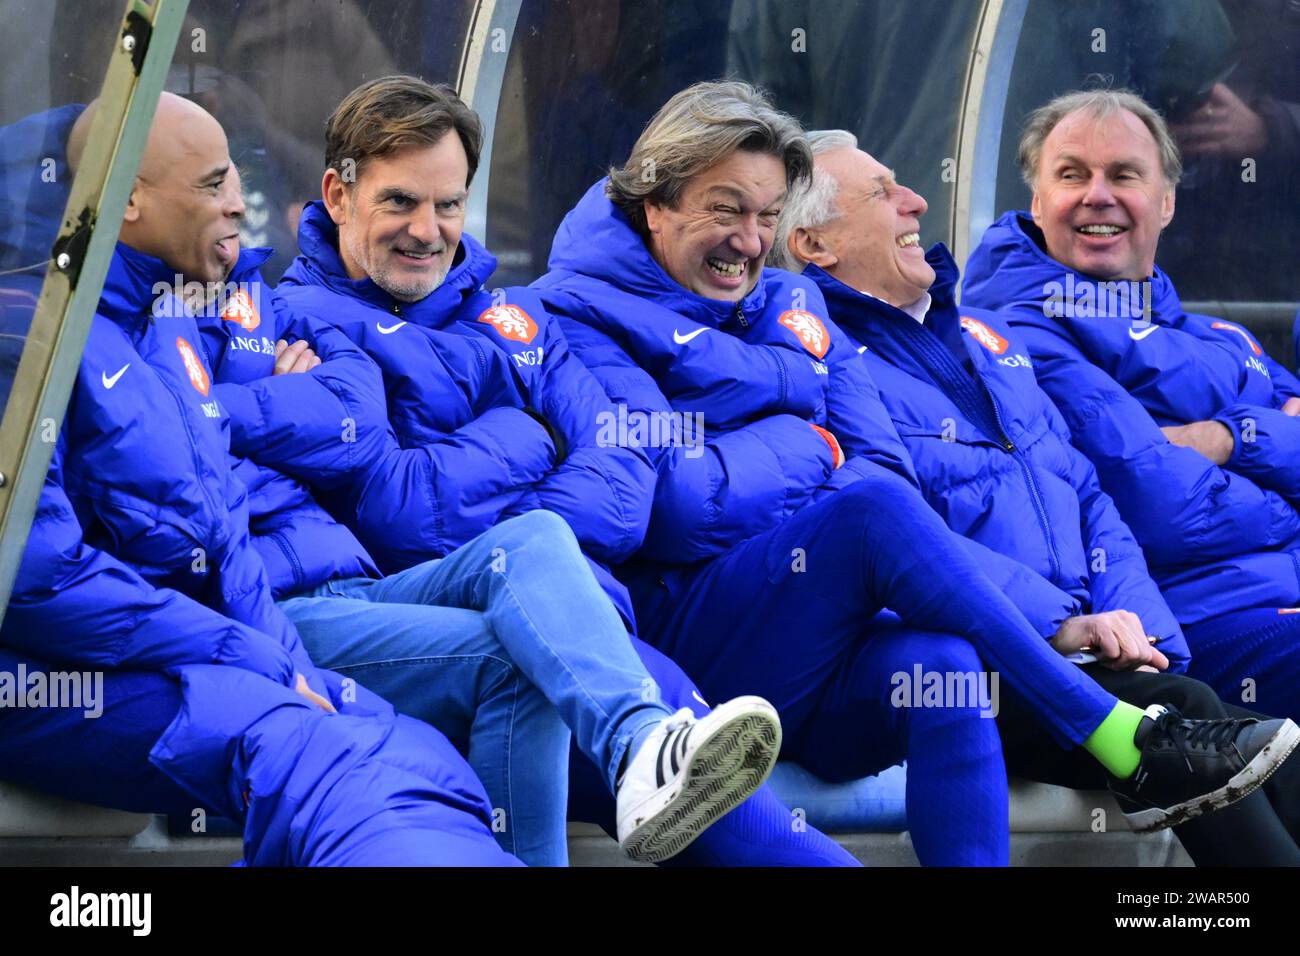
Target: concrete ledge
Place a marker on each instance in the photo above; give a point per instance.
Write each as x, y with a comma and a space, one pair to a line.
26, 813
589, 846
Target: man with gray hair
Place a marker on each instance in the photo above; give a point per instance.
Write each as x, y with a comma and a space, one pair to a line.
984, 440
1191, 425
770, 557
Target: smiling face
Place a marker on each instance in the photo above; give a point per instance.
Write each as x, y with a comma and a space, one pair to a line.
715, 240
400, 223
1101, 198
186, 204
874, 244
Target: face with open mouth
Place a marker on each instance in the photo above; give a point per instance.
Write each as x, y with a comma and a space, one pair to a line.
400, 223
1101, 198
187, 202
874, 242
714, 241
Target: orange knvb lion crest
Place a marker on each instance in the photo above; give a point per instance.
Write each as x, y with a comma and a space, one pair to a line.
240, 310
1240, 331
809, 328
511, 322
984, 335
193, 367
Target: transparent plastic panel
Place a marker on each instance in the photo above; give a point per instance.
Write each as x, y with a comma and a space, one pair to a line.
54, 54
585, 76
272, 71
1226, 75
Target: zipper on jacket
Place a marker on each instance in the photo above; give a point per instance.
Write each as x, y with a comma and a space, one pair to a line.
291, 556
1030, 481
482, 358
740, 315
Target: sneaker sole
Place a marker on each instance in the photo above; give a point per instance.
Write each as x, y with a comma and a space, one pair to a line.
1245, 782
720, 774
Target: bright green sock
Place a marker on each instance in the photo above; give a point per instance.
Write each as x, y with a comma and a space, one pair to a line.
1112, 742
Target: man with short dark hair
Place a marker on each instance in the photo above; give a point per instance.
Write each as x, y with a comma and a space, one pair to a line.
1191, 425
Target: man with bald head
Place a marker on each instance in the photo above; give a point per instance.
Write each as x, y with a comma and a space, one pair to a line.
185, 207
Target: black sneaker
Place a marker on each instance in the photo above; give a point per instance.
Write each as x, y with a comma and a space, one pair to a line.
1193, 767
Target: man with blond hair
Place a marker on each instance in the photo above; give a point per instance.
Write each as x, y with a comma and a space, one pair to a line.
1191, 425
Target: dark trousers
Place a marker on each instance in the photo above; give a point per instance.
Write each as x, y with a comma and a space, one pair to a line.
1260, 830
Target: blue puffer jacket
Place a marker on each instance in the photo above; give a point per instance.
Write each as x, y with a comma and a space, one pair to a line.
1219, 539
459, 368
140, 556
322, 427
993, 454
758, 372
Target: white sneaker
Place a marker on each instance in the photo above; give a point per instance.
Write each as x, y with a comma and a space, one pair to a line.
690, 772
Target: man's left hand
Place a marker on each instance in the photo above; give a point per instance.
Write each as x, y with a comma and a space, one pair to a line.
1211, 439
294, 358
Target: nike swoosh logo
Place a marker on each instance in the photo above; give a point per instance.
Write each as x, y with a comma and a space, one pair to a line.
389, 329
1137, 336
696, 695
110, 381
683, 339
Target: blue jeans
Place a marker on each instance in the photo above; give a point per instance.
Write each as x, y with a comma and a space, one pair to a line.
505, 645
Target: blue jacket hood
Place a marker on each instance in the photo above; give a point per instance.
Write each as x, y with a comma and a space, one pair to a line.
319, 263
133, 292
33, 192
1010, 267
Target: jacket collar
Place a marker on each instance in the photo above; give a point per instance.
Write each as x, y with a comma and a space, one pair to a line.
131, 287
853, 310
1011, 266
319, 263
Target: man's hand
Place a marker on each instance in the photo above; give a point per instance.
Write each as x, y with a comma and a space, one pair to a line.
302, 688
1117, 638
1223, 125
1211, 439
294, 358
1291, 406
